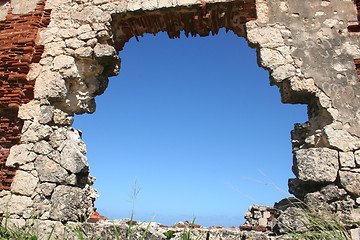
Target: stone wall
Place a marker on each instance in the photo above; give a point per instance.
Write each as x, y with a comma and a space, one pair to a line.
311, 51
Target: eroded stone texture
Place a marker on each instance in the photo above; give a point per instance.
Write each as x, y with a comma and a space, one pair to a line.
316, 165
24, 183
23, 7
350, 180
68, 203
307, 48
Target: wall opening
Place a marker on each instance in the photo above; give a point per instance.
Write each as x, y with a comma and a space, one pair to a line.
195, 122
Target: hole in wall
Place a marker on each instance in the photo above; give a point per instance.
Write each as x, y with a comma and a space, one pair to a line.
195, 122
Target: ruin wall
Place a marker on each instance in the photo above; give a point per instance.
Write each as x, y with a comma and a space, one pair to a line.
56, 57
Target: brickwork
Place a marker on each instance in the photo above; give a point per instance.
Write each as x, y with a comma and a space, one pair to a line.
203, 19
356, 27
17, 51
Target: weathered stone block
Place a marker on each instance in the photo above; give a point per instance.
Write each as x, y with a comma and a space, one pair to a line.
347, 159
104, 50
4, 201
4, 10
36, 132
350, 181
50, 85
91, 14
57, 137
332, 192
74, 43
316, 164
355, 234
271, 58
283, 72
292, 219
99, 2
84, 52
63, 61
23, 7
54, 49
266, 36
72, 159
67, 33
20, 155
29, 111
149, 5
340, 138
43, 147
46, 114
47, 188
24, 183
18, 204
68, 203
50, 171
50, 4
50, 35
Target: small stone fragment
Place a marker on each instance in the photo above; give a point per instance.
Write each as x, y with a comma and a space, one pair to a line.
47, 188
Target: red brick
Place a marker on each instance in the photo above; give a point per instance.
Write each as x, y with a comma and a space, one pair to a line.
17, 51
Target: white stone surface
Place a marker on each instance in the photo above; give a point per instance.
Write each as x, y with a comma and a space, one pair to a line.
50, 171
18, 204
339, 138
50, 85
20, 155
23, 7
4, 9
347, 159
316, 164
72, 159
24, 183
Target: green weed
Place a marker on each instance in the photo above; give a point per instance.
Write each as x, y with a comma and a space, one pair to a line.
186, 233
321, 227
25, 233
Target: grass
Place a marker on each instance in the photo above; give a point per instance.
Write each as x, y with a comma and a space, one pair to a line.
17, 233
321, 227
318, 227
186, 233
130, 233
28, 232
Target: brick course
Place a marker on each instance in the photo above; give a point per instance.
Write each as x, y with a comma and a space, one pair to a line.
356, 28
18, 50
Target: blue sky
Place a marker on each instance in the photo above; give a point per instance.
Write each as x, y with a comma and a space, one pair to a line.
195, 123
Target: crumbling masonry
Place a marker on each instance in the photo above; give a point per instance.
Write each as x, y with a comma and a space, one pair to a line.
56, 57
